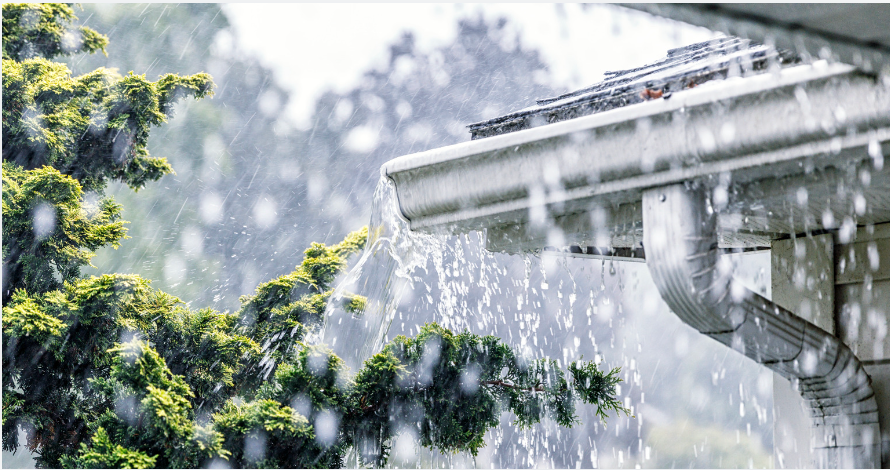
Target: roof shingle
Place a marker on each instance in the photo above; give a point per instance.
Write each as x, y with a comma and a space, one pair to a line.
683, 68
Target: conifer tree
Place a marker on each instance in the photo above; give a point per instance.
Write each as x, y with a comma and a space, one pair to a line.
108, 372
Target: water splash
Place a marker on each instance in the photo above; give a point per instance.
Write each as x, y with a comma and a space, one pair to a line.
563, 308
383, 275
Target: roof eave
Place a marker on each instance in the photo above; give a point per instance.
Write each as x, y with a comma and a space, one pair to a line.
812, 118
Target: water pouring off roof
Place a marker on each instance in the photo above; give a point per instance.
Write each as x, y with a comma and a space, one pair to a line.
726, 144
757, 123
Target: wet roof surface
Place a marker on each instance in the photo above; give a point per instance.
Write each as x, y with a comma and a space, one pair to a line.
683, 68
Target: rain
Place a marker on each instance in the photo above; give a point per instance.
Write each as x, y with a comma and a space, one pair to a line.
297, 146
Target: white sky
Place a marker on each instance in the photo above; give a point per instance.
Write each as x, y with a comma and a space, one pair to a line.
316, 47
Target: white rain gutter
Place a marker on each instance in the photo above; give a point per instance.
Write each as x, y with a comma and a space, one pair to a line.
798, 120
682, 255
795, 128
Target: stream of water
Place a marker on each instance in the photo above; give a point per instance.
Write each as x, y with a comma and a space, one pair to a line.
383, 274
683, 388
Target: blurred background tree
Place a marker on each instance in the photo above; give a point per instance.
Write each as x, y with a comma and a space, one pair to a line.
250, 187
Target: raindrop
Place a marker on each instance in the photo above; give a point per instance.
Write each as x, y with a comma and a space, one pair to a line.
44, 220
874, 260
362, 139
828, 219
327, 427
211, 207
859, 204
877, 157
174, 268
270, 102
847, 231
727, 133
265, 212
255, 446
708, 143
192, 241
802, 196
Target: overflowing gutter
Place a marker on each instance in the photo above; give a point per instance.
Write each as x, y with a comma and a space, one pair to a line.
743, 158
797, 127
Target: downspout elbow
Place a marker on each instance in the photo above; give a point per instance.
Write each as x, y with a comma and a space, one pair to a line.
680, 238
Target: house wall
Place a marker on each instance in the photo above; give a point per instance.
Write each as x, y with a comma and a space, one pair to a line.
802, 278
862, 306
844, 289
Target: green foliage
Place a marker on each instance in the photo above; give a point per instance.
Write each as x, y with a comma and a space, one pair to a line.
105, 454
94, 127
64, 136
282, 311
65, 372
267, 434
152, 413
48, 230
43, 30
27, 319
108, 372
597, 388
64, 362
455, 387
204, 347
316, 373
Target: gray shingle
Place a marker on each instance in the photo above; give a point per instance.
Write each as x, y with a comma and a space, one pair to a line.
682, 68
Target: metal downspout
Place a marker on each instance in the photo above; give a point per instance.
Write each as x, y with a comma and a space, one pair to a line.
680, 239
